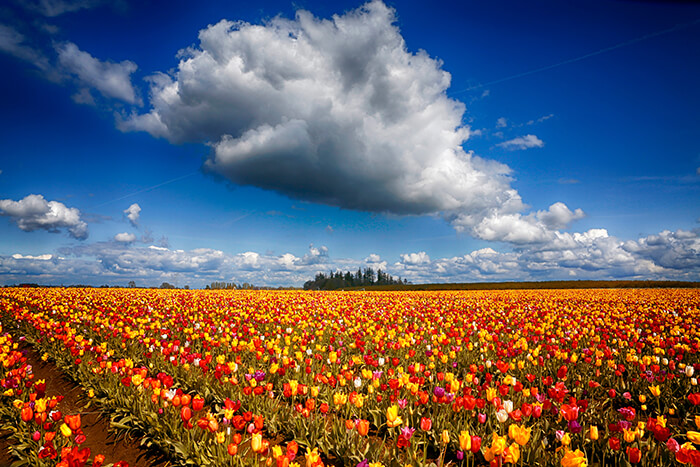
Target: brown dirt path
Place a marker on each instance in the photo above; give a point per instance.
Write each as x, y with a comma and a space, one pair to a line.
95, 426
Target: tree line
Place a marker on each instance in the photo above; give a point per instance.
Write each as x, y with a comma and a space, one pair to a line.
363, 277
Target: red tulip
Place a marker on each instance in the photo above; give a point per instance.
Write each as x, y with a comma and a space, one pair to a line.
185, 413
27, 413
634, 455
476, 444
197, 403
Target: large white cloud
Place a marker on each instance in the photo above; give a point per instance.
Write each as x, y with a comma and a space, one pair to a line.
112, 80
33, 212
334, 111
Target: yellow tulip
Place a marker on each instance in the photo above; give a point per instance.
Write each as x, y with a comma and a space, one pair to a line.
593, 433
490, 394
465, 441
392, 416
512, 454
566, 439
693, 436
655, 390
445, 437
312, 457
574, 459
256, 442
498, 445
65, 430
519, 434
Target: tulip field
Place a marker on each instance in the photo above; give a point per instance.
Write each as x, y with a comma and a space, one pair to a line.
284, 378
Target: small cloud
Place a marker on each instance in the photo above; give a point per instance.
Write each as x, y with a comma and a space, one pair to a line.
83, 96
132, 213
52, 8
559, 216
329, 229
522, 142
415, 258
34, 213
112, 80
373, 258
14, 43
501, 122
486, 93
124, 237
39, 257
697, 171
568, 181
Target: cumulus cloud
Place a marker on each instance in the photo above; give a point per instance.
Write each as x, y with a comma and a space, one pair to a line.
537, 227
593, 254
112, 80
334, 111
45, 257
502, 122
522, 142
34, 212
559, 216
415, 258
132, 213
125, 237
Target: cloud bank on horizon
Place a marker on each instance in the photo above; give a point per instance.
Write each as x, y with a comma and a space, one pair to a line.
332, 111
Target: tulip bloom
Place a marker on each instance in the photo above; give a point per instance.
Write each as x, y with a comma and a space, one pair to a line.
426, 424
593, 433
232, 449
363, 427
197, 403
65, 430
392, 416
519, 434
27, 413
498, 444
574, 459
512, 454
634, 455
694, 437
476, 444
445, 437
465, 441
256, 442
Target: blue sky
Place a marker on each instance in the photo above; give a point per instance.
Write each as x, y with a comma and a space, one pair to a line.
456, 142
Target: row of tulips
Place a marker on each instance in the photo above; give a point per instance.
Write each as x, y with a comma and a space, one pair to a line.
151, 407
539, 377
40, 434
